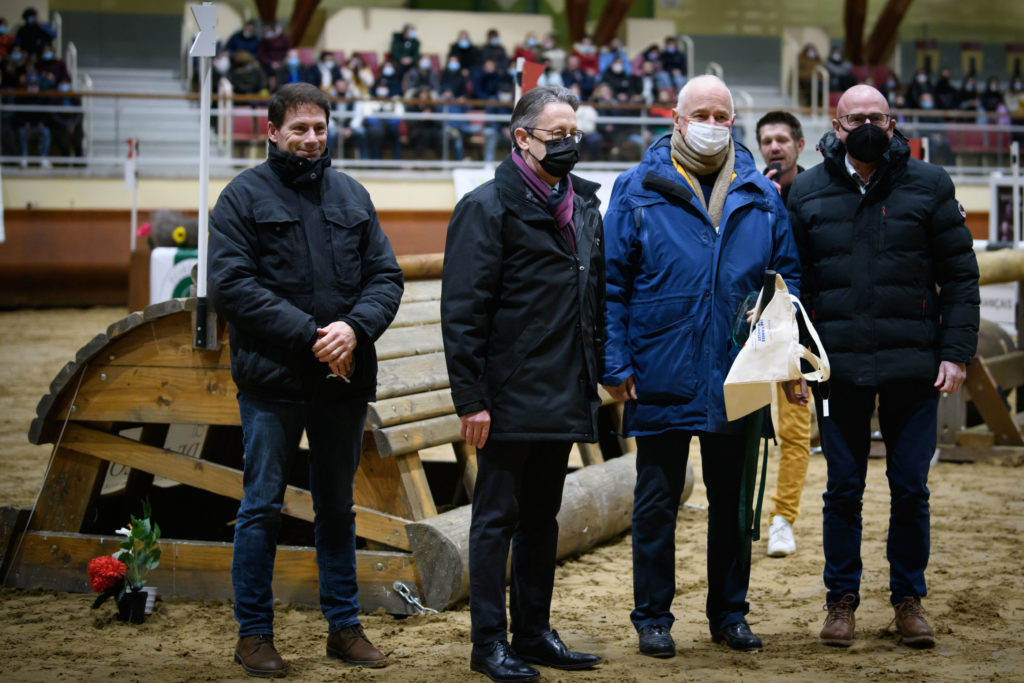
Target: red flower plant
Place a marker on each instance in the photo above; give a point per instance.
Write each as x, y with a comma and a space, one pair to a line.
106, 576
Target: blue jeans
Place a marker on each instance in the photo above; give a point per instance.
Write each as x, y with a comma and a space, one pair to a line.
270, 432
660, 476
907, 415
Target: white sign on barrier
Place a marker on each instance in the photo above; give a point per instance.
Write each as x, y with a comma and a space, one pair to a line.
170, 273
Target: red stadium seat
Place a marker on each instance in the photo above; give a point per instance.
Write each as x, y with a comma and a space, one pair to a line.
370, 60
307, 56
860, 73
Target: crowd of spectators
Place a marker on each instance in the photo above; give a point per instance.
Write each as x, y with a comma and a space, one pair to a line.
472, 81
28, 64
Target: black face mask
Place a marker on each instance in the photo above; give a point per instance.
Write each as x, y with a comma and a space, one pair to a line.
561, 156
867, 143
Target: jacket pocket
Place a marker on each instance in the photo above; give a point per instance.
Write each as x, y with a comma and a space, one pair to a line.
345, 230
665, 351
502, 366
283, 253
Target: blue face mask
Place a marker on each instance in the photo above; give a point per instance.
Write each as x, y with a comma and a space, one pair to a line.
293, 62
495, 42
3, 30
463, 43
47, 56
30, 20
927, 105
64, 87
412, 35
388, 71
453, 66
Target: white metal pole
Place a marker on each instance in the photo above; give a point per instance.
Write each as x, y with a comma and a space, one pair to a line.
1016, 187
204, 47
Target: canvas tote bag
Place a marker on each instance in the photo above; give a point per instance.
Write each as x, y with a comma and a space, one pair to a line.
772, 353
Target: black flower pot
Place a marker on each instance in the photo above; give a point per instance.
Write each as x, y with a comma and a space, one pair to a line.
132, 607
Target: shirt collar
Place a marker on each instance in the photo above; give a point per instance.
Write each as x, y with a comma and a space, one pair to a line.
861, 185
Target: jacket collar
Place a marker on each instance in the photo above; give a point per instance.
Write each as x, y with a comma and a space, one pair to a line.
894, 159
518, 198
296, 170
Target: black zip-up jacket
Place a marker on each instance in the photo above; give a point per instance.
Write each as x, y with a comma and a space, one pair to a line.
890, 276
522, 316
295, 246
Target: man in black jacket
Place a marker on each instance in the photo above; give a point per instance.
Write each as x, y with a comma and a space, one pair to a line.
891, 282
521, 301
303, 273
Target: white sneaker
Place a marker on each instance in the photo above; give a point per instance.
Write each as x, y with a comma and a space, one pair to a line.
45, 163
780, 538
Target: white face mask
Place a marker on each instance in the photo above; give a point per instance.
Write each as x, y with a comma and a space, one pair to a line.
705, 139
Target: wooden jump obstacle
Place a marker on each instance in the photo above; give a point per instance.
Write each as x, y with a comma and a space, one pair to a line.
144, 372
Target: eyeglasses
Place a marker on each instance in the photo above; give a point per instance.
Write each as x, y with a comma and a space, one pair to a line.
557, 135
877, 119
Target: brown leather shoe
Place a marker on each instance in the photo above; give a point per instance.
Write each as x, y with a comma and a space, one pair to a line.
910, 622
259, 657
839, 624
351, 645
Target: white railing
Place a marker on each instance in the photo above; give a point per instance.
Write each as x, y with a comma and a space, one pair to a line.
57, 24
789, 83
87, 118
72, 64
746, 117
716, 69
690, 54
819, 91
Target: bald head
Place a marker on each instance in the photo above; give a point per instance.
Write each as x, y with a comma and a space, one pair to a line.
700, 89
861, 99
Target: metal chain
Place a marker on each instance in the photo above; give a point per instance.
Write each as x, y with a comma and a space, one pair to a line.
403, 590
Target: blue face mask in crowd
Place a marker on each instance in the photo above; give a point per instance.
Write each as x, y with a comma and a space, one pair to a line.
388, 71
927, 105
453, 66
3, 29
495, 42
293, 62
412, 35
64, 87
47, 56
464, 43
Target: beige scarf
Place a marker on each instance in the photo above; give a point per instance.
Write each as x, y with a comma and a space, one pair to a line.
698, 164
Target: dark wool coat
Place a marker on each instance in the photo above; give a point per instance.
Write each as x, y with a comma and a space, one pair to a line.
890, 276
521, 314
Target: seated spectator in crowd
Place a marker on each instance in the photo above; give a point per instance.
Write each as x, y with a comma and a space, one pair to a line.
551, 50
50, 69
586, 52
14, 67
359, 77
493, 50
969, 100
608, 54
390, 77
290, 71
465, 52
405, 49
649, 82
325, 73
425, 135
807, 62
247, 77
673, 61
550, 78
840, 71
486, 80
66, 127
920, 85
586, 122
273, 48
380, 121
456, 130
496, 132
947, 97
527, 49
664, 105
940, 151
33, 125
623, 85
245, 38
220, 73
992, 97
891, 89
1015, 105
6, 39
453, 78
32, 35
575, 75
420, 78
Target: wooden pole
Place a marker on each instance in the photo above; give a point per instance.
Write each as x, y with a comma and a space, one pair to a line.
611, 18
576, 15
883, 37
854, 14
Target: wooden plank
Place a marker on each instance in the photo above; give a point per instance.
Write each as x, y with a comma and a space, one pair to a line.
166, 341
124, 325
403, 376
127, 393
590, 453
414, 482
421, 266
989, 402
1013, 455
72, 483
392, 411
13, 521
1007, 370
465, 455
378, 483
202, 570
417, 313
409, 341
414, 436
224, 481
422, 290
976, 439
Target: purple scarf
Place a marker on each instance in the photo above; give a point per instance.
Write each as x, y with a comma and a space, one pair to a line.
559, 206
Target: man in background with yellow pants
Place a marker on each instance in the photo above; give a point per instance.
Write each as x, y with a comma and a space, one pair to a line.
781, 139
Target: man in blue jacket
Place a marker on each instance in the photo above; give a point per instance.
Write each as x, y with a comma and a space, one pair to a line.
689, 233
302, 271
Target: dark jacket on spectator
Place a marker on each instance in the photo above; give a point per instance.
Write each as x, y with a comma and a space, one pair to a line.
521, 313
890, 277
238, 41
276, 230
32, 37
497, 53
469, 56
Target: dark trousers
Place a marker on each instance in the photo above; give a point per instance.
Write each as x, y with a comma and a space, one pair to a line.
907, 415
660, 476
518, 493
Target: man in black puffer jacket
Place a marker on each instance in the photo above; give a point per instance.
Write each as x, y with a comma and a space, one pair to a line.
302, 271
891, 281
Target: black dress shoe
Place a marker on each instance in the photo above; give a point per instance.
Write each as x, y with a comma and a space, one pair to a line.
738, 637
497, 661
549, 650
656, 641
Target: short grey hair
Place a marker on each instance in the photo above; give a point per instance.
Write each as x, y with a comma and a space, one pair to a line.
528, 108
685, 89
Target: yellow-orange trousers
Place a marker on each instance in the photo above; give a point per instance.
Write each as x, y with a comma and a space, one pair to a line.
795, 445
